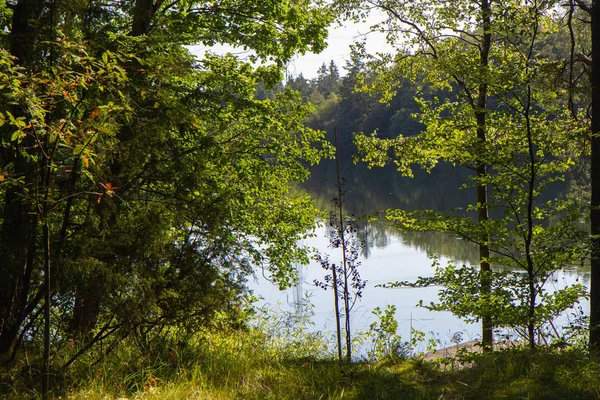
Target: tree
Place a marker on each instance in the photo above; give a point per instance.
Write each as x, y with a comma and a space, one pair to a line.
420, 31
500, 125
301, 85
593, 9
534, 145
327, 80
345, 278
158, 180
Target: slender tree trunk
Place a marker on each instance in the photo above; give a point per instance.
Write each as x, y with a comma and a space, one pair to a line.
19, 225
345, 264
531, 312
336, 304
529, 234
595, 183
47, 304
482, 191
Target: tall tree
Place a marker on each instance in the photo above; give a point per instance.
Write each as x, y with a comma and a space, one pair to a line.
593, 9
158, 180
495, 58
328, 77
418, 32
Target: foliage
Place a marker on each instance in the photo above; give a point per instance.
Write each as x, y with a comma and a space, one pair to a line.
352, 249
519, 143
290, 334
387, 344
163, 181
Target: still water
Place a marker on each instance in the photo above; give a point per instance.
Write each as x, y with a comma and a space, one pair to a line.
396, 258
389, 256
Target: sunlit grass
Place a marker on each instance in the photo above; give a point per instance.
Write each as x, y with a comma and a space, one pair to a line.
295, 364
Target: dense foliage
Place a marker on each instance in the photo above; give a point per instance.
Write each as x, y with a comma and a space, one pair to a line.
144, 184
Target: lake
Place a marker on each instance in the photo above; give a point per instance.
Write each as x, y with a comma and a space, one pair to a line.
389, 256
396, 259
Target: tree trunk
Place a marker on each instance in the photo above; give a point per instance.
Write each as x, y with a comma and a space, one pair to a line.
19, 226
143, 12
595, 184
487, 337
86, 311
23, 34
17, 246
47, 306
531, 312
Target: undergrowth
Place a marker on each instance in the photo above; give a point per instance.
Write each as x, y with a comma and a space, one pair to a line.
280, 359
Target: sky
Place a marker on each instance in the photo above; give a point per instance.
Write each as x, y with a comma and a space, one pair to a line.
339, 40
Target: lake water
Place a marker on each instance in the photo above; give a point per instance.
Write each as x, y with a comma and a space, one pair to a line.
395, 259
390, 256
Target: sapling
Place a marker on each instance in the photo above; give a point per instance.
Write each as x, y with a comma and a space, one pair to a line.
344, 277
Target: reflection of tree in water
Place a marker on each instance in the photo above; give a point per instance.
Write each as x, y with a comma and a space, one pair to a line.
373, 190
370, 192
445, 245
579, 274
378, 234
371, 236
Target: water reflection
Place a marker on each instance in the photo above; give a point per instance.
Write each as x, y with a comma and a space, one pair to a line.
378, 234
388, 255
372, 190
395, 261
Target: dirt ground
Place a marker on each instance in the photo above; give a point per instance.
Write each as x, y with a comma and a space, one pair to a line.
471, 346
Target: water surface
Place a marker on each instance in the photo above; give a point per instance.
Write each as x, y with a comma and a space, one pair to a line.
388, 255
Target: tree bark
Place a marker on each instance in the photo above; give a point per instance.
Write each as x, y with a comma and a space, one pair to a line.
24, 34
595, 183
143, 12
487, 337
19, 226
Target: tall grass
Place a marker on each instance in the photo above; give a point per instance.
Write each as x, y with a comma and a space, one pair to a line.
280, 359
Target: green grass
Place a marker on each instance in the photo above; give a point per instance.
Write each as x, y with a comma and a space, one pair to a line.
251, 365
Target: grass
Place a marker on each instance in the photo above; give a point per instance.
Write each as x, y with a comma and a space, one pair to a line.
506, 375
260, 365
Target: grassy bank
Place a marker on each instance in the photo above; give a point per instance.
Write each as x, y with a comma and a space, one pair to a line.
256, 365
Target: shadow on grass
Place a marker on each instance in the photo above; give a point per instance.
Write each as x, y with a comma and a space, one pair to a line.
409, 379
508, 374
519, 373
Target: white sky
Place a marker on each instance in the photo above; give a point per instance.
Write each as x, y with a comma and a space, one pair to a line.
339, 40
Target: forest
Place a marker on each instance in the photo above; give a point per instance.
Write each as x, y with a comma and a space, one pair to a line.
143, 188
